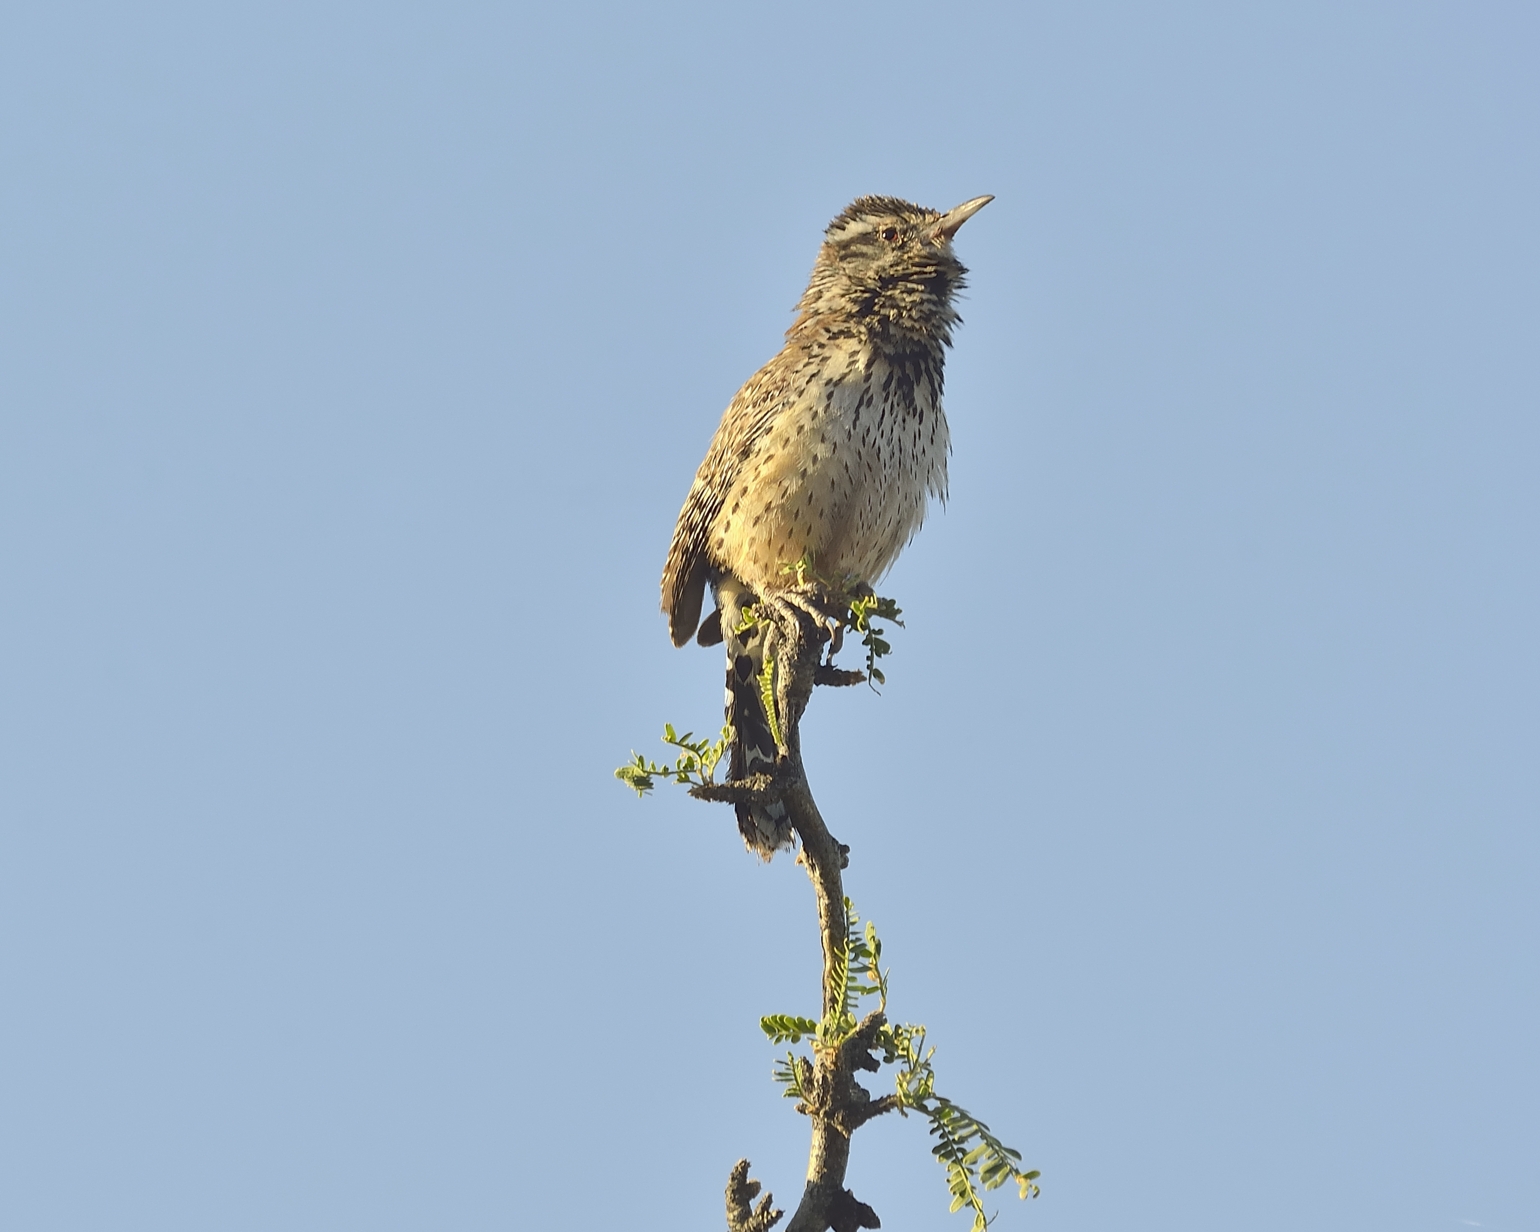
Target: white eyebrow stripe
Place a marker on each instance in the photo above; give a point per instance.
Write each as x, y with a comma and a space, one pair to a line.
856, 226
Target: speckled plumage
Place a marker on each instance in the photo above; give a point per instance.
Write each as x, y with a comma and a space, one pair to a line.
831, 451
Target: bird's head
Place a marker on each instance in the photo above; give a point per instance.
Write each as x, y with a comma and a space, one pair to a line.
887, 267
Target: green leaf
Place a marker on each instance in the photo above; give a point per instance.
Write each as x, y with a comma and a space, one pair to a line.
787, 1028
975, 1161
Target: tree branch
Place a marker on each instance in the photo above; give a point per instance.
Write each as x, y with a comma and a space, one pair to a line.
836, 1104
794, 625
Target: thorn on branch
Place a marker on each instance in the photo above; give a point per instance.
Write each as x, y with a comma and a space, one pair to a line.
857, 1117
740, 1192
837, 677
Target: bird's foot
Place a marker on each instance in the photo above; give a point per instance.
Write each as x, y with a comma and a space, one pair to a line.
814, 601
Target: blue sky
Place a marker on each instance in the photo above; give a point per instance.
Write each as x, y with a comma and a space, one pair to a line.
354, 362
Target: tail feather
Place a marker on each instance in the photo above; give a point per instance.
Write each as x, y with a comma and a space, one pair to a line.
766, 828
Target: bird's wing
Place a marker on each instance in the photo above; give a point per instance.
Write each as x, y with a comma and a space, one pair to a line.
744, 425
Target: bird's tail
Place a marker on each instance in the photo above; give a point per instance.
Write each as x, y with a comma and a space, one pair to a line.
766, 828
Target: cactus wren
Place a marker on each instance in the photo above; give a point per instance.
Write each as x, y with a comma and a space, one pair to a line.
826, 459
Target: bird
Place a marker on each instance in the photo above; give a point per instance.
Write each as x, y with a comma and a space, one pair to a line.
825, 462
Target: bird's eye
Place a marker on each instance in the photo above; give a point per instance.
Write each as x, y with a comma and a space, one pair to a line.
889, 235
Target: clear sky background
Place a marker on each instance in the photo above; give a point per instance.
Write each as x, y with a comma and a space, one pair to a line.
354, 362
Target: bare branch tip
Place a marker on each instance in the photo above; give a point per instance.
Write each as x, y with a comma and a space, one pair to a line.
740, 1192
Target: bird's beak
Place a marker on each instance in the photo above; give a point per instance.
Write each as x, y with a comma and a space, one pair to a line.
952, 219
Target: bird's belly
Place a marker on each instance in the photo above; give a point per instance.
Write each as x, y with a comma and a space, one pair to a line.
840, 483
